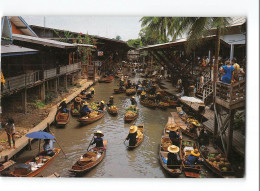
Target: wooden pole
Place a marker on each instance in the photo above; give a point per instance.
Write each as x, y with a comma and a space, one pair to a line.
230, 133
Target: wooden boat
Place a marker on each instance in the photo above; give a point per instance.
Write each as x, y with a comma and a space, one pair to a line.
129, 119
185, 128
106, 80
112, 111
130, 91
35, 170
86, 121
62, 118
186, 147
163, 105
89, 160
6, 165
119, 91
140, 129
172, 103
210, 154
149, 105
74, 112
163, 158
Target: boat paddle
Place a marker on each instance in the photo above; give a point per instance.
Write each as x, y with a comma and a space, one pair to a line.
90, 143
57, 142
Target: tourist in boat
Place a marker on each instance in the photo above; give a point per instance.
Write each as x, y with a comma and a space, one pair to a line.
10, 131
92, 91
48, 147
111, 101
158, 97
174, 135
98, 140
143, 95
193, 159
227, 70
85, 111
203, 138
63, 106
133, 101
132, 135
101, 106
172, 160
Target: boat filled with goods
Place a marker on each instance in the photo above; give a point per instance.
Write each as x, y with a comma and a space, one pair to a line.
62, 118
131, 113
112, 110
130, 91
34, 166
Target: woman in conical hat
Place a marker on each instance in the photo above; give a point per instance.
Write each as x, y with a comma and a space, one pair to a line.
172, 160
193, 159
98, 140
132, 135
174, 135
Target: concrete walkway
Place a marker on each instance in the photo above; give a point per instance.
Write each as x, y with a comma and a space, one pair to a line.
23, 141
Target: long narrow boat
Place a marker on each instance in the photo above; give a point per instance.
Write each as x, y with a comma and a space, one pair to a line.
148, 103
106, 80
62, 118
140, 134
87, 120
35, 168
74, 112
186, 147
112, 111
216, 161
185, 127
119, 91
89, 160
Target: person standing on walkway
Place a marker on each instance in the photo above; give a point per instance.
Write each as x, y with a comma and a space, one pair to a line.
10, 130
227, 70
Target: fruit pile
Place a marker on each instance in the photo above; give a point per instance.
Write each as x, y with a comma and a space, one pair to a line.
163, 104
93, 105
93, 114
193, 121
219, 162
130, 91
113, 108
149, 103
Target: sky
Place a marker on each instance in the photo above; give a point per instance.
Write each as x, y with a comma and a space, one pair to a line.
127, 27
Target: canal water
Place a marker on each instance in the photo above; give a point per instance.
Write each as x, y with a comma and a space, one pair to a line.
119, 162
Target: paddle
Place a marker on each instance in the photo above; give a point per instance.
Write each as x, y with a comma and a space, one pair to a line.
56, 140
90, 143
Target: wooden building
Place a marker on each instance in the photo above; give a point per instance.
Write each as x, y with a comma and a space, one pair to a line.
107, 55
32, 66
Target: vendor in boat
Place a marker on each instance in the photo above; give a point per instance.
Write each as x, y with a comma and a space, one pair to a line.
193, 159
129, 84
92, 91
173, 162
63, 106
121, 83
153, 90
111, 101
77, 102
133, 101
203, 138
48, 147
85, 111
174, 135
98, 140
132, 136
158, 97
101, 106
143, 95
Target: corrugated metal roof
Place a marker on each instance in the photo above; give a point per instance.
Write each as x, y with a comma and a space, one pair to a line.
6, 49
83, 45
42, 41
237, 21
170, 44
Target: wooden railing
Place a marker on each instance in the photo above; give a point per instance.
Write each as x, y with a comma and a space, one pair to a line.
24, 80
229, 95
21, 81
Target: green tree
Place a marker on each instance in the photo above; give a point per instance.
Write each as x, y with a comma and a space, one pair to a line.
118, 37
136, 43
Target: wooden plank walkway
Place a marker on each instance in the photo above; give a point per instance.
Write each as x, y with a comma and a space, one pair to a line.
238, 138
23, 141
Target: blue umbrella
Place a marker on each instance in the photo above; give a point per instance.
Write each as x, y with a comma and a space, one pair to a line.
40, 135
